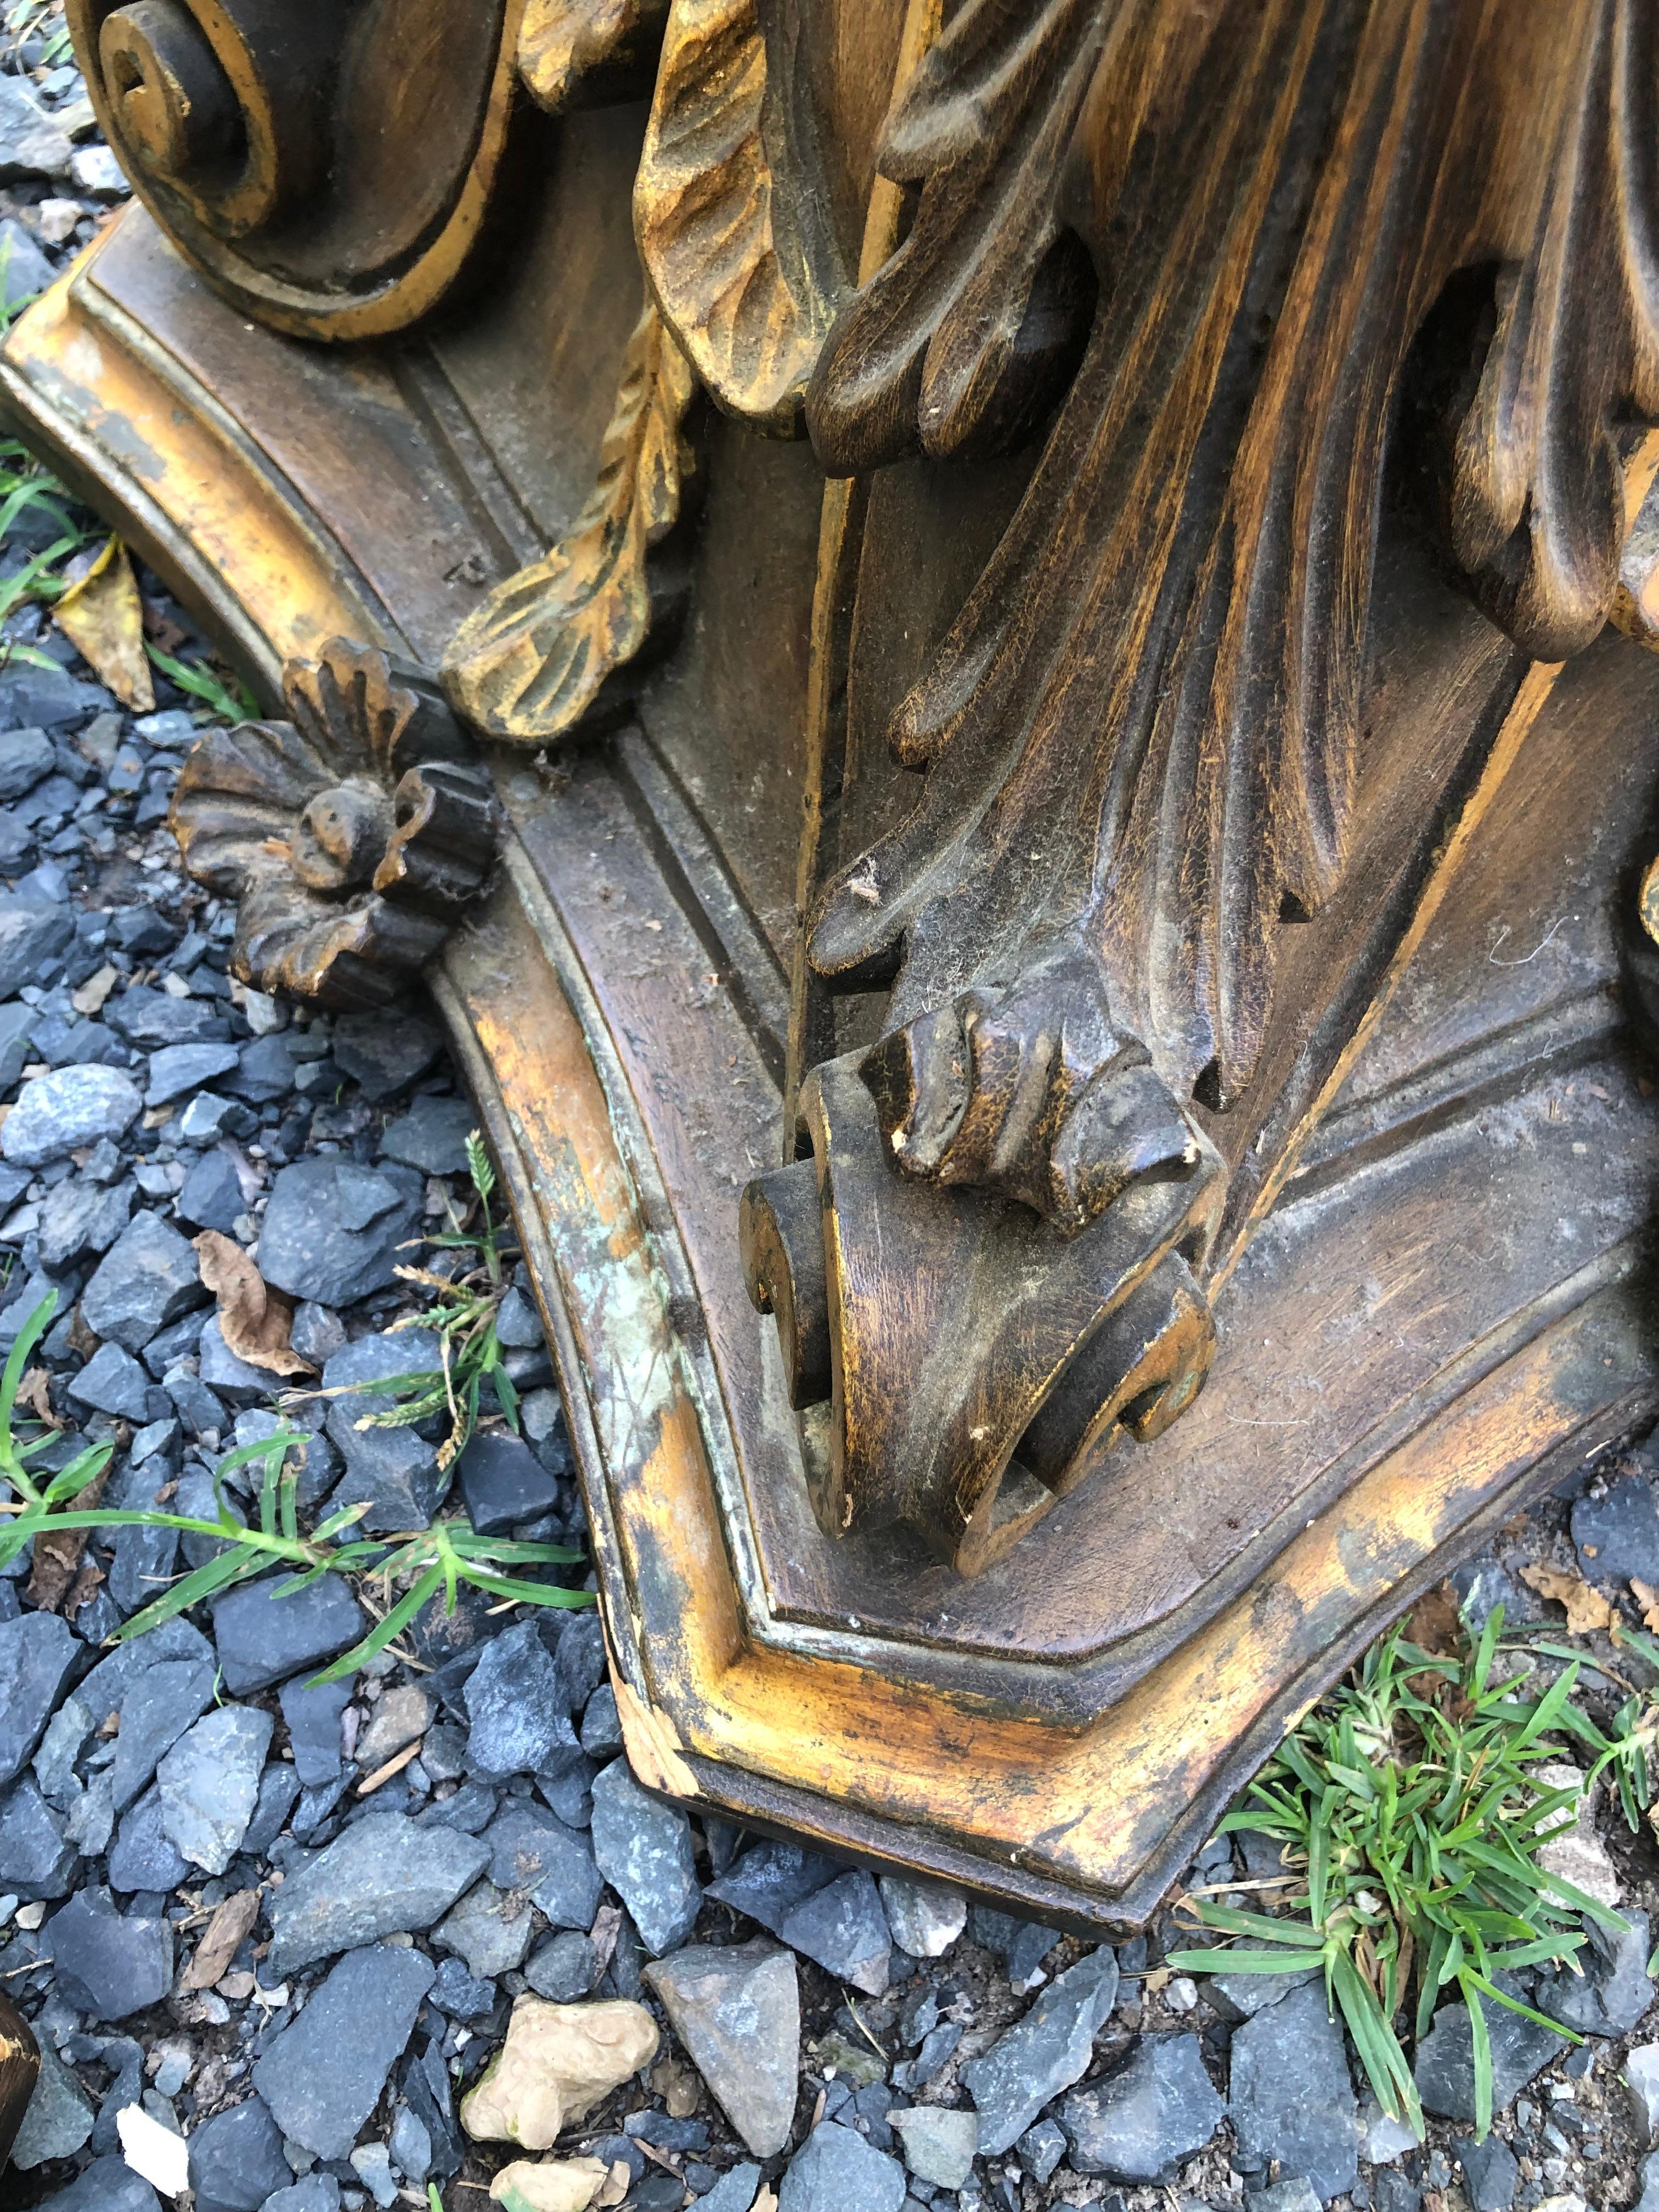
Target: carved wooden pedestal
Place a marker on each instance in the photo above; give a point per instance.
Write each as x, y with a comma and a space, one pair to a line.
1053, 889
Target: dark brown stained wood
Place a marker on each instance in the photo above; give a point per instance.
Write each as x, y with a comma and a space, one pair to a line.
1097, 922
301, 198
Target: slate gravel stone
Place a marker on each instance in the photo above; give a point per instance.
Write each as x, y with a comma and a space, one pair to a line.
564, 1968
26, 756
768, 1881
148, 1277
209, 1783
844, 1929
383, 1051
143, 1856
312, 1713
1617, 1535
489, 1929
323, 2076
461, 1994
1444, 2067
432, 1136
33, 933
32, 145
503, 1483
212, 1195
178, 1070
56, 1113
79, 1216
513, 1703
395, 1470
37, 1651
643, 1849
155, 1712
736, 2008
383, 1876
332, 1229
1138, 2124
236, 2160
59, 2118
262, 1638
37, 1860
1042, 2053
109, 2184
533, 1853
1291, 2096
1489, 2174
112, 1382
108, 1964
1612, 1990
835, 2170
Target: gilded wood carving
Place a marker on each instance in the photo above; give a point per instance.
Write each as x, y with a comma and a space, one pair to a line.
1204, 264
1016, 763
353, 836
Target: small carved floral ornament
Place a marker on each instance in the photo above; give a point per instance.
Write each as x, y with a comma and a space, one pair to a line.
352, 837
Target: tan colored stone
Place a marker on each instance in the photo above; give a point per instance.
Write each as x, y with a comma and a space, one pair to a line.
557, 2185
556, 2064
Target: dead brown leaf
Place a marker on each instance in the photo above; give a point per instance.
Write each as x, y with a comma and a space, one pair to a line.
80, 1337
1432, 1623
1587, 1610
221, 1940
102, 616
35, 1392
58, 1556
84, 1586
1648, 1598
255, 1320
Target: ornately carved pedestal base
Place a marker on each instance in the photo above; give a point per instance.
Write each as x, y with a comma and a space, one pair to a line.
1447, 1308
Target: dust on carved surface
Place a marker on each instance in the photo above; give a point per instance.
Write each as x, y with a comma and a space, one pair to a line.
353, 836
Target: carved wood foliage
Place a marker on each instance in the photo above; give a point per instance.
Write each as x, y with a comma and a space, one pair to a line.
1139, 736
353, 836
574, 50
1537, 512
557, 644
729, 209
966, 329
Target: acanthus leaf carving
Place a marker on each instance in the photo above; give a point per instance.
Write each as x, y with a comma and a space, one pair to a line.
1536, 498
557, 644
970, 327
352, 837
736, 240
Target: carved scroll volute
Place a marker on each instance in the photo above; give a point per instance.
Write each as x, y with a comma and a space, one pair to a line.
977, 1360
352, 837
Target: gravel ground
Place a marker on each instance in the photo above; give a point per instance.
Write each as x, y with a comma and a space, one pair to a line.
295, 1925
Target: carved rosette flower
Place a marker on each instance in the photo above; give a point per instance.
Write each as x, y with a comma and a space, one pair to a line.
352, 835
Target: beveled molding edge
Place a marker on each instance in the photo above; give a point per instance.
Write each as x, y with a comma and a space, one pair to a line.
1086, 1825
